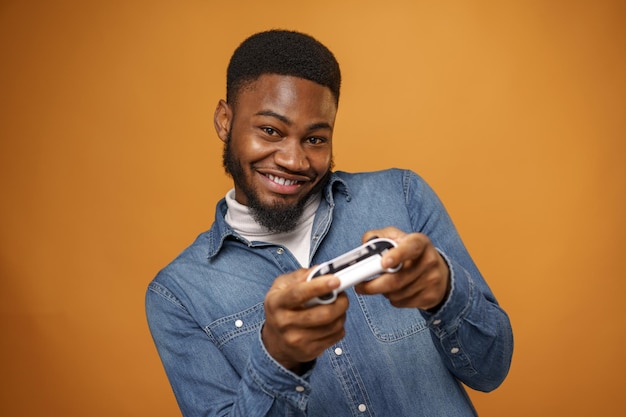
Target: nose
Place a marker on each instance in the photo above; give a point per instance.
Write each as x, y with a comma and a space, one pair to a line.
292, 156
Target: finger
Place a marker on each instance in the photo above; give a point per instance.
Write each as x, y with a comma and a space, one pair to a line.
420, 296
416, 255
383, 284
308, 344
410, 247
328, 335
401, 292
326, 319
423, 284
302, 292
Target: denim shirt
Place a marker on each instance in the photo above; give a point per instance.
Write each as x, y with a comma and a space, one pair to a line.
205, 312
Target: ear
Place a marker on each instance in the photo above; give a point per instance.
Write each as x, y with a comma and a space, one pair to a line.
222, 119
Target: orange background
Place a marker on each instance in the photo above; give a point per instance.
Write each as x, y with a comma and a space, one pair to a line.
514, 111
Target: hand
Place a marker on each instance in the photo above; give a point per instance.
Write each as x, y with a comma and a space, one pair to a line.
294, 334
423, 281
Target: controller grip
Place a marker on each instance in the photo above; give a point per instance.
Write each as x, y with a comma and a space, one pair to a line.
369, 268
362, 271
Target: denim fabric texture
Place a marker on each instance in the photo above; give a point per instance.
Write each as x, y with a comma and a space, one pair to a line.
205, 312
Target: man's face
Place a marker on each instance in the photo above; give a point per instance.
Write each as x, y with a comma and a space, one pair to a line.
278, 146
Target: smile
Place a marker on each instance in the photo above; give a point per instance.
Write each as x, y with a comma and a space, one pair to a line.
282, 181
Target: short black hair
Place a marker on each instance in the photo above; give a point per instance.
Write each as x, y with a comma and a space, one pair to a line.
282, 52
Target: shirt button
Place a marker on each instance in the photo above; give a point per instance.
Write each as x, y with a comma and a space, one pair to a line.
338, 351
238, 323
436, 322
300, 388
280, 251
362, 408
454, 350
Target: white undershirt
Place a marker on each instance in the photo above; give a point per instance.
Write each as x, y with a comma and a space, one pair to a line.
297, 241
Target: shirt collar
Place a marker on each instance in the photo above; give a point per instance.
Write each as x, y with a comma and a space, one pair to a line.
220, 230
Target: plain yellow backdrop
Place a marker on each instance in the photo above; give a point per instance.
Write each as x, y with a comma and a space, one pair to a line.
514, 111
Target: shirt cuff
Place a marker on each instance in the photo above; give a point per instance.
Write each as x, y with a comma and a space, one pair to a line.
445, 323
447, 318
277, 381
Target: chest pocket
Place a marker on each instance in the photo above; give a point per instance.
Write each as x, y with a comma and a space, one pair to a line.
235, 334
387, 323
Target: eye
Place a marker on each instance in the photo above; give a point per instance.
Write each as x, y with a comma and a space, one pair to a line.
316, 140
270, 131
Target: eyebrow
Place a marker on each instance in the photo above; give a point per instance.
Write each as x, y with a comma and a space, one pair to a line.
284, 119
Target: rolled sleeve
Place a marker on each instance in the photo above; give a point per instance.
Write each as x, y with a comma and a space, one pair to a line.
472, 332
270, 377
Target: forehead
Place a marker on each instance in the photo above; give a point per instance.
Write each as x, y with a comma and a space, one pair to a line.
286, 95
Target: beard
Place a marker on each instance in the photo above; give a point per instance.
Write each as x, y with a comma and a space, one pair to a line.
277, 217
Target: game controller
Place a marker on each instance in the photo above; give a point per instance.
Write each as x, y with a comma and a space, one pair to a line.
358, 265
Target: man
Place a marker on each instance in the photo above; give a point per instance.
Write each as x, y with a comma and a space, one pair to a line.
230, 316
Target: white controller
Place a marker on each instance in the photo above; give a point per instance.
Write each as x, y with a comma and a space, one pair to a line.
358, 265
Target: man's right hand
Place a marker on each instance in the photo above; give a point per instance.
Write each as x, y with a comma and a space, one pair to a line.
294, 334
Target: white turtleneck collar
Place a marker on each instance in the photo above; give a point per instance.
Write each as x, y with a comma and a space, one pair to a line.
297, 241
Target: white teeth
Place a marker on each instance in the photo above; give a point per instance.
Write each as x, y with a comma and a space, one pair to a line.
281, 181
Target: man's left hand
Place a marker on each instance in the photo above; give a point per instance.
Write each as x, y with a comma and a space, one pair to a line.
423, 281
